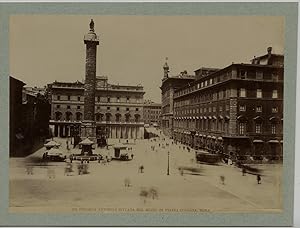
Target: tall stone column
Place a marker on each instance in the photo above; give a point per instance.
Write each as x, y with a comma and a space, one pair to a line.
88, 126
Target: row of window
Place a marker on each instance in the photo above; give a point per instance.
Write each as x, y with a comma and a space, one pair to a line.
223, 126
258, 75
243, 74
98, 108
259, 93
258, 128
221, 95
242, 108
98, 117
202, 84
104, 99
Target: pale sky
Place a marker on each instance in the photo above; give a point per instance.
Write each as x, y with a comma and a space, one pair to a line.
133, 49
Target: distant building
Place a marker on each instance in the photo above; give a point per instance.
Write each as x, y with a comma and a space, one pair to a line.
151, 113
237, 110
118, 109
29, 118
169, 85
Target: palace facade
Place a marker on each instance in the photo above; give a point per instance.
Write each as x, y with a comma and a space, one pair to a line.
118, 109
237, 111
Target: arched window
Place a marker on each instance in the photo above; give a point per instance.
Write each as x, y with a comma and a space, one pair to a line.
137, 117
99, 117
58, 115
78, 116
108, 117
69, 116
118, 117
127, 117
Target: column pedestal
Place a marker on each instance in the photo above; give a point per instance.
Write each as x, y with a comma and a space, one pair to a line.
88, 130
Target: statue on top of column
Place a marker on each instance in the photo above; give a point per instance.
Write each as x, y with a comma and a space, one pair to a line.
92, 25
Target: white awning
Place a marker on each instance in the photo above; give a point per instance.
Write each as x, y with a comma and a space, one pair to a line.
273, 141
86, 142
257, 141
51, 143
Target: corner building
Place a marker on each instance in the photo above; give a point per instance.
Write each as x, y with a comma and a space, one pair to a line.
236, 111
169, 85
118, 109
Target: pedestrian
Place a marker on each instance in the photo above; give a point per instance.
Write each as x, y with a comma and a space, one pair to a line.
222, 178
258, 177
29, 170
181, 171
68, 169
244, 171
127, 182
79, 168
132, 156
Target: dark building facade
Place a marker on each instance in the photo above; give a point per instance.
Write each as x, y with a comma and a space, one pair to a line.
151, 113
169, 85
29, 118
16, 136
237, 111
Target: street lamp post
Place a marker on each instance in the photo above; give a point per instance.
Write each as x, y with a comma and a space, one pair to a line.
168, 170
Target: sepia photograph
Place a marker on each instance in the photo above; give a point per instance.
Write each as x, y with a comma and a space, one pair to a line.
146, 114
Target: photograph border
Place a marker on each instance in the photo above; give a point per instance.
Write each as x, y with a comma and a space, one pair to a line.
288, 10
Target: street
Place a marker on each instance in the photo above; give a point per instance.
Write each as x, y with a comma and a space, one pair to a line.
104, 187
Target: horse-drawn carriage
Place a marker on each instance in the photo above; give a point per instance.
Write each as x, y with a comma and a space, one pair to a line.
205, 157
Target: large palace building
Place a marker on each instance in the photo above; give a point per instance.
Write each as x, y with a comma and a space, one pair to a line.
118, 109
237, 110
